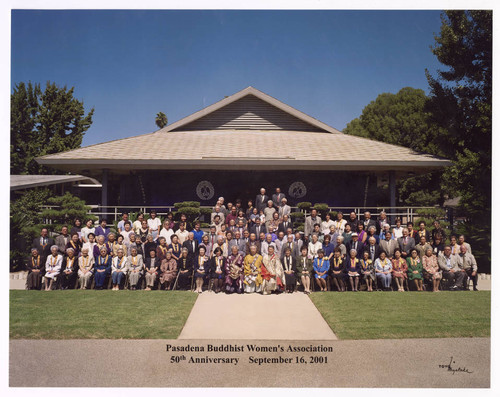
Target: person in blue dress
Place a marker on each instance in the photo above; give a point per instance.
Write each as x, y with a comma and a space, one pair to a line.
328, 247
102, 267
321, 265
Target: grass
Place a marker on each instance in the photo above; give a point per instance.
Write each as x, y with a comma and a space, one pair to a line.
385, 315
77, 314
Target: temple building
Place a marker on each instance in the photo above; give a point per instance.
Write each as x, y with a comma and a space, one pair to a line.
236, 146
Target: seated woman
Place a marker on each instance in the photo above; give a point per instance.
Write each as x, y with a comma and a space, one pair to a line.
431, 269
135, 243
74, 243
168, 269
152, 268
119, 267
353, 269
305, 269
272, 272
234, 271
321, 265
383, 269
367, 271
135, 268
338, 270
102, 267
399, 269
175, 247
69, 270
184, 267
289, 269
53, 266
252, 271
201, 269
85, 268
217, 265
415, 269
35, 268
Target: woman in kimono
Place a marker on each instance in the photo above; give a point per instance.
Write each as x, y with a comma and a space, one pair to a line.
272, 272
289, 270
201, 269
217, 265
75, 244
367, 271
321, 265
337, 267
399, 269
152, 268
305, 269
85, 265
35, 270
168, 270
135, 268
69, 270
119, 267
383, 269
175, 247
102, 267
234, 271
353, 269
431, 269
53, 266
252, 271
415, 269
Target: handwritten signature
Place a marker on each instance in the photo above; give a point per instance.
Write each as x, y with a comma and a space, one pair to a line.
452, 369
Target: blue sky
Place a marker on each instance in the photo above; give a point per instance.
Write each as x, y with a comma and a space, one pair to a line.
129, 65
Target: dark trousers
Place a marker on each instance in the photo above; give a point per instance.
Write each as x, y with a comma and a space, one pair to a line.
468, 274
455, 278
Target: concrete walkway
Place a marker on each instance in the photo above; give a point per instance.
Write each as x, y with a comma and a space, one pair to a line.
421, 363
255, 316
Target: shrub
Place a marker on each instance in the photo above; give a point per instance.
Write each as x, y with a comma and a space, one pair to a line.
304, 206
183, 204
321, 207
297, 215
300, 228
333, 214
206, 211
204, 225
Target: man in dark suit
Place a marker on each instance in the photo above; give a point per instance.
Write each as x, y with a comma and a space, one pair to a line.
191, 244
406, 244
353, 221
43, 244
373, 249
277, 197
258, 228
285, 225
261, 200
355, 244
368, 221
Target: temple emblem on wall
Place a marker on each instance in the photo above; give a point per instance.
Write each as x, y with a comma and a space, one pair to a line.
297, 190
205, 190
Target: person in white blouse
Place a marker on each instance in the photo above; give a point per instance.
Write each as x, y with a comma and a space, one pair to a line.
182, 233
167, 232
313, 247
52, 267
136, 226
119, 267
327, 224
340, 222
397, 232
90, 244
89, 228
154, 224
85, 265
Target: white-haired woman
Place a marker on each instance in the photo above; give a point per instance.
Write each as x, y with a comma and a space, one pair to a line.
85, 268
52, 267
69, 270
119, 267
135, 268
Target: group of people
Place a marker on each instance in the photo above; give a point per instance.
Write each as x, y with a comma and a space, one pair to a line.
252, 250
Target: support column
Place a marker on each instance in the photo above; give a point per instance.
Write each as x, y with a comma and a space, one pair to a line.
392, 193
104, 189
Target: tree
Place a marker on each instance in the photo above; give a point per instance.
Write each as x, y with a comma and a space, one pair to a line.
402, 119
161, 120
44, 123
460, 103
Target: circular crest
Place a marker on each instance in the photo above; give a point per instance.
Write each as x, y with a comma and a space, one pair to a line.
297, 190
205, 190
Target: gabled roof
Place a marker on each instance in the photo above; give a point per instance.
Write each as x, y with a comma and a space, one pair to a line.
18, 182
308, 123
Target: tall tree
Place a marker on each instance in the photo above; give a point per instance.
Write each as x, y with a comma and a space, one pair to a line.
161, 120
460, 102
43, 123
401, 119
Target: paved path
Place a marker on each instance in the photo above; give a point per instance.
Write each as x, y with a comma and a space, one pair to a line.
255, 316
353, 363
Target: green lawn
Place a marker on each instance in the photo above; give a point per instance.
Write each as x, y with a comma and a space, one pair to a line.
386, 315
77, 314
